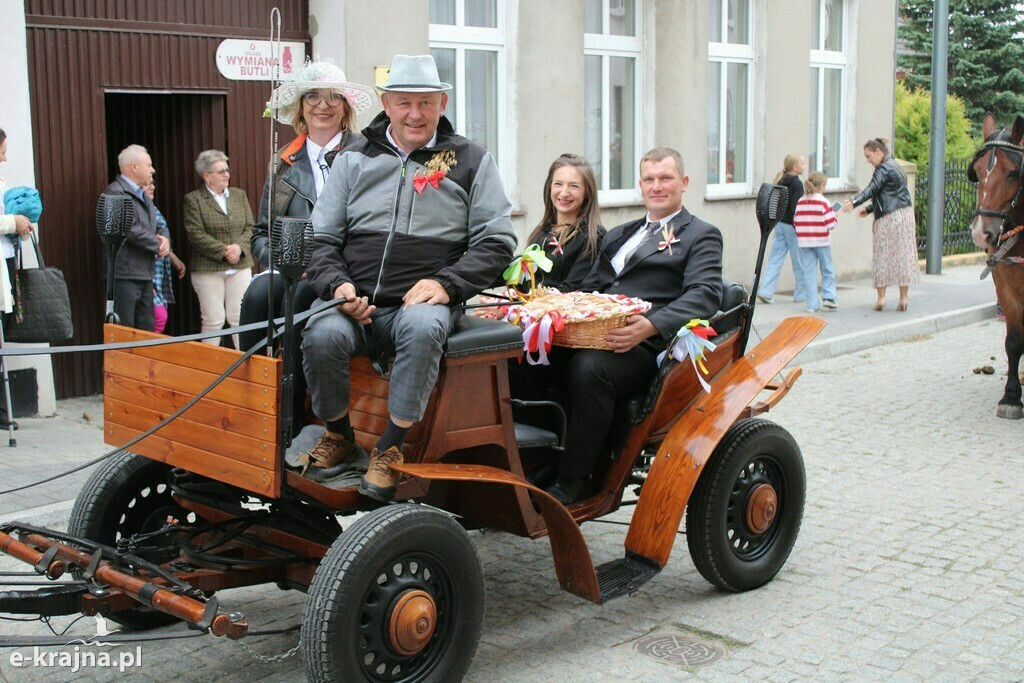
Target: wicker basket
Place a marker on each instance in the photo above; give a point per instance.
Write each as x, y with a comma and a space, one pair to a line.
588, 334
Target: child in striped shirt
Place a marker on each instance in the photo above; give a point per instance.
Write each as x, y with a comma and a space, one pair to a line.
814, 220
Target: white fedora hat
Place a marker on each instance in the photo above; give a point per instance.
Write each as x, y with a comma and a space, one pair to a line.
317, 76
414, 73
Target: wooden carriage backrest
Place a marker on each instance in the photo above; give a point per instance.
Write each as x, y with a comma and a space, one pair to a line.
231, 435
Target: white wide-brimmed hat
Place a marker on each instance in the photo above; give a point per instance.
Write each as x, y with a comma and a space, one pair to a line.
317, 76
414, 73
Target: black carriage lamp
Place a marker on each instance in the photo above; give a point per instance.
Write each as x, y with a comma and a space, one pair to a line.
114, 217
291, 244
772, 201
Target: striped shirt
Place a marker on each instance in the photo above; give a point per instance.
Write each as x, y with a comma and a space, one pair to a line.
813, 220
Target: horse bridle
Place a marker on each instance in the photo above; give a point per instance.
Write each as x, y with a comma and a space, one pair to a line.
993, 145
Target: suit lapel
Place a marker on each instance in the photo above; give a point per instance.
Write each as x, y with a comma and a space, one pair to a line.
649, 246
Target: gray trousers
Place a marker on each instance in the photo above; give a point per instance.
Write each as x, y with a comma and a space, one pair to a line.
416, 335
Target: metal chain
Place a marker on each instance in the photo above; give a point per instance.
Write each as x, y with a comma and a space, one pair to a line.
271, 658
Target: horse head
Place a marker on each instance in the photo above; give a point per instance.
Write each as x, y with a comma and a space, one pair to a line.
998, 168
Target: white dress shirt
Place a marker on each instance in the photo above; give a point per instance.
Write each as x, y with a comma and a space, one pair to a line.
627, 249
221, 199
316, 155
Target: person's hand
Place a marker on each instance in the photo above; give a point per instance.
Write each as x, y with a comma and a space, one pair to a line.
233, 253
358, 308
177, 264
847, 206
426, 292
165, 246
863, 213
22, 225
636, 330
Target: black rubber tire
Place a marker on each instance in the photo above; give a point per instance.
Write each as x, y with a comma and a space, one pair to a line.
345, 613
126, 495
726, 552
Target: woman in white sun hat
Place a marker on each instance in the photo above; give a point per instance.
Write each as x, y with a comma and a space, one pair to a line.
321, 105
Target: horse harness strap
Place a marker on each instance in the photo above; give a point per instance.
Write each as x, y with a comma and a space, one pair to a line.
999, 257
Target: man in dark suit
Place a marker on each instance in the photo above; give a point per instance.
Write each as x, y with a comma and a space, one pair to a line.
669, 258
133, 277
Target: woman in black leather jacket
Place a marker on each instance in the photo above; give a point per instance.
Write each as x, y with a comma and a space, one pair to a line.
894, 233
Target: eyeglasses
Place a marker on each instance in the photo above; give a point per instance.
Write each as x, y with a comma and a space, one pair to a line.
313, 98
224, 171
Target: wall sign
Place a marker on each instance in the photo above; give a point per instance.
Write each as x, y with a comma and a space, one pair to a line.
252, 60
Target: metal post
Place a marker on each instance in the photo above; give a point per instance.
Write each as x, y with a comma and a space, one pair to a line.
937, 155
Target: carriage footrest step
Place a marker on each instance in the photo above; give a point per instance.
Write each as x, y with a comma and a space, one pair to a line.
622, 577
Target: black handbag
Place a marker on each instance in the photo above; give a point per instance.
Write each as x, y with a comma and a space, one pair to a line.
41, 298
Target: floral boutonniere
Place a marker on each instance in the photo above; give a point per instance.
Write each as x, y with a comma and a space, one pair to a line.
555, 245
438, 166
669, 239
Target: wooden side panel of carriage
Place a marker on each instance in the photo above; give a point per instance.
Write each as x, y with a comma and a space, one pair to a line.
231, 435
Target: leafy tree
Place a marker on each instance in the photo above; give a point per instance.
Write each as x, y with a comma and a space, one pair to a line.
913, 127
986, 55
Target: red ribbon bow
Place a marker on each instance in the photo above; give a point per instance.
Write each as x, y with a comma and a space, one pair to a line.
420, 181
667, 244
554, 243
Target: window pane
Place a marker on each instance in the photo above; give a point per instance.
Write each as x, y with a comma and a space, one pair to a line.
622, 150
736, 122
592, 114
442, 12
834, 25
812, 158
833, 115
715, 21
482, 13
622, 17
445, 59
482, 99
739, 28
714, 111
592, 16
816, 24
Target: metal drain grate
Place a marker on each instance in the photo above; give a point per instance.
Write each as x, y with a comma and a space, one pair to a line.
681, 649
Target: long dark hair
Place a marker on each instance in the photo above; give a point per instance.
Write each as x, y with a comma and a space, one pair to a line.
589, 215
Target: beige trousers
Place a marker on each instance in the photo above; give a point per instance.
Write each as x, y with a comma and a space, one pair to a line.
220, 297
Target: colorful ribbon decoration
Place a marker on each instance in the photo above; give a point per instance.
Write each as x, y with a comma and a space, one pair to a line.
525, 266
692, 340
539, 335
554, 243
420, 182
669, 240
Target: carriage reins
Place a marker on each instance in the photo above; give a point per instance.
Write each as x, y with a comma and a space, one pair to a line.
1007, 238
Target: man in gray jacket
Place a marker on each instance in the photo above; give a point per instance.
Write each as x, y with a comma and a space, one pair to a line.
413, 220
133, 277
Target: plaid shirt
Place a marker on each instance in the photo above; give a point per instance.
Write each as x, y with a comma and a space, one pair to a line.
163, 291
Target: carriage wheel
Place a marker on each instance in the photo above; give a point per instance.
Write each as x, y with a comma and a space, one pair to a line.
127, 495
399, 596
744, 515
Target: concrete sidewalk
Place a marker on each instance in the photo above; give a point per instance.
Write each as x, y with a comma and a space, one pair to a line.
939, 302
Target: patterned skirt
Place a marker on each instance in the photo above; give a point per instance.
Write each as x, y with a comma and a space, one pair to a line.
894, 249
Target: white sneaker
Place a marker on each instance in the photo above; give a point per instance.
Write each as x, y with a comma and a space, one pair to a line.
828, 303
764, 299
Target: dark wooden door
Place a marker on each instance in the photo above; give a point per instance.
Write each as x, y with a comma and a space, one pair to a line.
175, 129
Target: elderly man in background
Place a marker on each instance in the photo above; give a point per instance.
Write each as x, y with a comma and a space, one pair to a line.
133, 276
413, 220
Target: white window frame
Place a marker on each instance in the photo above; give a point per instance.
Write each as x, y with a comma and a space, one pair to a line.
460, 38
725, 54
822, 59
604, 45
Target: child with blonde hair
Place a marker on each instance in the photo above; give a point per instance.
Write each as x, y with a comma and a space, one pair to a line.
813, 220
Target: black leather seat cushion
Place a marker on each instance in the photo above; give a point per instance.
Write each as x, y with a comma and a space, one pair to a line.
479, 335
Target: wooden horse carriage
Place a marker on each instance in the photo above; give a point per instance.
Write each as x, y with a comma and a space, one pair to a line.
207, 502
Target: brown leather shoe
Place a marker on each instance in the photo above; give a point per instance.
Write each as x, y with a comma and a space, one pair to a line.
380, 481
331, 456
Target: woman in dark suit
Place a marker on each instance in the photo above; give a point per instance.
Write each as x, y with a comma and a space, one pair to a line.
570, 233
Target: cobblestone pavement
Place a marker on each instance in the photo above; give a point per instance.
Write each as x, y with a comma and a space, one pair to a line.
905, 569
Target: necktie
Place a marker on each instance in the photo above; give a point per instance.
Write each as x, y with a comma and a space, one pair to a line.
325, 170
651, 228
